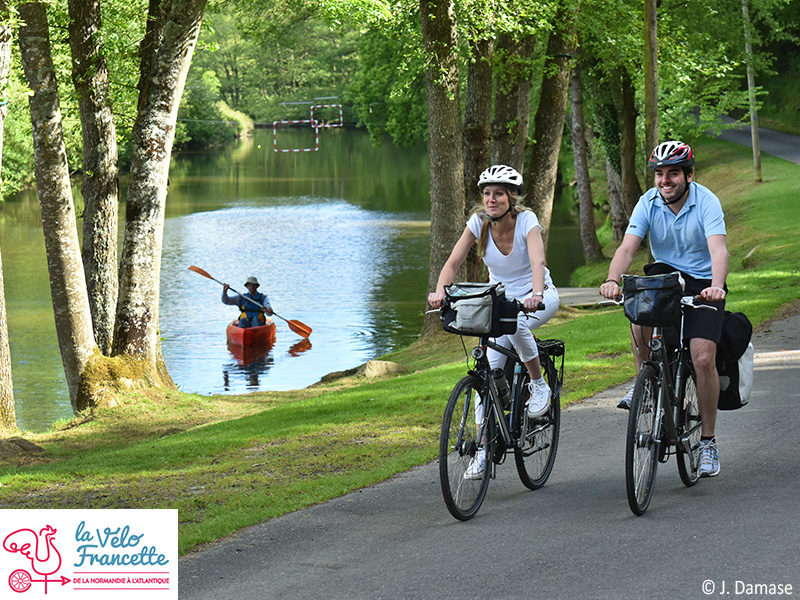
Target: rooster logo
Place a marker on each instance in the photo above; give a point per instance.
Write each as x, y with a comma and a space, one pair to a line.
39, 548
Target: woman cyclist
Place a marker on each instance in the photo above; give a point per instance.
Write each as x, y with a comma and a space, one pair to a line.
510, 244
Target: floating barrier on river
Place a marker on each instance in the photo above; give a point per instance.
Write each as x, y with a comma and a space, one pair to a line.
327, 124
314, 123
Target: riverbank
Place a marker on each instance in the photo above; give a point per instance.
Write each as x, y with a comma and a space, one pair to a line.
226, 462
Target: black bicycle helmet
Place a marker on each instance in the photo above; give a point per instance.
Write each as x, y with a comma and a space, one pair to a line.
672, 153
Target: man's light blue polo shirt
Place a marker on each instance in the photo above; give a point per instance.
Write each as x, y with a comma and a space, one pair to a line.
680, 240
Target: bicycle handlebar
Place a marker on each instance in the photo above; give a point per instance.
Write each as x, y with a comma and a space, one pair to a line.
517, 303
690, 301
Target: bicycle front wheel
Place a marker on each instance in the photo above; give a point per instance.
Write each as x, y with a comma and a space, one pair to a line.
537, 452
641, 443
689, 431
459, 445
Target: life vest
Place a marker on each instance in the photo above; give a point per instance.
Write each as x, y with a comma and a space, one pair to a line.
249, 310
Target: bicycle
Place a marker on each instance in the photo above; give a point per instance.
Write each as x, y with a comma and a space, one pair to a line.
664, 416
498, 427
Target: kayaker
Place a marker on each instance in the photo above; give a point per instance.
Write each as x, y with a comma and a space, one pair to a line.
252, 315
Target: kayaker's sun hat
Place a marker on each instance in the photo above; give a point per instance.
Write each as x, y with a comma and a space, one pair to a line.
252, 279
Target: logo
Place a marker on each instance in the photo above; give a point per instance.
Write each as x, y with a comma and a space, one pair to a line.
40, 549
74, 553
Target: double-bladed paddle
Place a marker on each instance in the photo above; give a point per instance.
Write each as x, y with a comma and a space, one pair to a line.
299, 328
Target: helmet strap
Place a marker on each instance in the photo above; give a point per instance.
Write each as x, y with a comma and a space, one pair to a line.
496, 220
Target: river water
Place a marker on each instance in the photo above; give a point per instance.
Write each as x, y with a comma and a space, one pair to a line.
338, 238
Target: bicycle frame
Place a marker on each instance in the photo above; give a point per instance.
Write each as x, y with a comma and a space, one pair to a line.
671, 375
484, 373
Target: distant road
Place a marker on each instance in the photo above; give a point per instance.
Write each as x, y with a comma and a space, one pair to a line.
774, 143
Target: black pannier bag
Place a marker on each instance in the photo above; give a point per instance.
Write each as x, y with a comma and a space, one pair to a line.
653, 300
478, 309
735, 355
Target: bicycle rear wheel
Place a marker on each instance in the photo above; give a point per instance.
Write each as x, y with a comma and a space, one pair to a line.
641, 444
536, 456
458, 445
689, 430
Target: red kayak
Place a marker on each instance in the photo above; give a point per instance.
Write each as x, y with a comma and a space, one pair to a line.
251, 336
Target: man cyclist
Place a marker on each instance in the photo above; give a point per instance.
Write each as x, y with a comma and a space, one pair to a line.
687, 234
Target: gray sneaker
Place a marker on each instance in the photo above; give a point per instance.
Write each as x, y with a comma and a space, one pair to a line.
476, 466
709, 458
625, 403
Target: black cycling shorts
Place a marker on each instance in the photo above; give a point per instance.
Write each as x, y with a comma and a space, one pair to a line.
700, 322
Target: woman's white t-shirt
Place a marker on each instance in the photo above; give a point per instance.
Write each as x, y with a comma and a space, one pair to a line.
514, 269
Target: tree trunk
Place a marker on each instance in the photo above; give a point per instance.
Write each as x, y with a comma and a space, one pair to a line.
477, 136
7, 412
8, 416
751, 92
67, 284
631, 190
446, 137
100, 169
520, 144
166, 56
549, 121
650, 82
591, 245
616, 207
512, 105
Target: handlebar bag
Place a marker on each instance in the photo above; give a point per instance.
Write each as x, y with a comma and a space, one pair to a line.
653, 300
479, 309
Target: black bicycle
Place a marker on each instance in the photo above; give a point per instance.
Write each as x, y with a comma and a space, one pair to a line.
486, 413
664, 415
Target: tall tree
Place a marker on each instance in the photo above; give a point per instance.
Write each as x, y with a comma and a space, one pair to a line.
166, 54
751, 91
445, 134
591, 245
631, 190
512, 99
100, 168
7, 411
650, 80
67, 284
549, 120
477, 132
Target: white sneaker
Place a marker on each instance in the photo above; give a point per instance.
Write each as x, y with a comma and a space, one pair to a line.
539, 402
477, 466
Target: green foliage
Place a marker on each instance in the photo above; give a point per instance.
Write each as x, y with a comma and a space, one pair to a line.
200, 121
388, 90
284, 52
17, 142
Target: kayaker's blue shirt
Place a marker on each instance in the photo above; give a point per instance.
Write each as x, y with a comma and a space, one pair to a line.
680, 240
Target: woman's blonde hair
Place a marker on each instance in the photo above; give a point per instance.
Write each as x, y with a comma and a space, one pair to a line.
516, 208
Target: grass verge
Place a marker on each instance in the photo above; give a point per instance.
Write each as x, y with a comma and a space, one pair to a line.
227, 462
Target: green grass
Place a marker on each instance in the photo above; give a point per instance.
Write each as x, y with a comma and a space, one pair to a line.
228, 462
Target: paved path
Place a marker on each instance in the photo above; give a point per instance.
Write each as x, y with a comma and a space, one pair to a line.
774, 143
573, 539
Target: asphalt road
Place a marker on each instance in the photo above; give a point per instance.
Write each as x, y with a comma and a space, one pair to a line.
775, 143
573, 539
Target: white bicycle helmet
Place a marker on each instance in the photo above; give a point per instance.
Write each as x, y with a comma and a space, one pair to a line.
500, 174
672, 153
